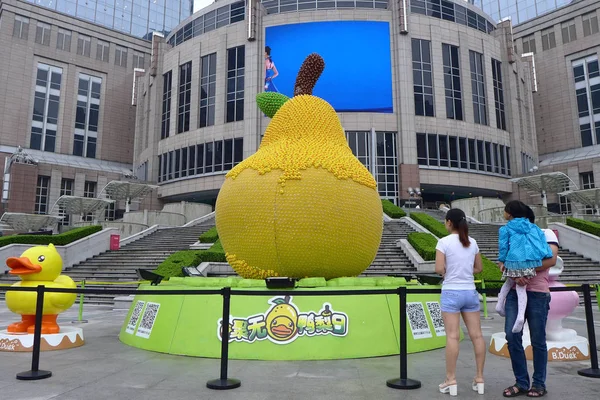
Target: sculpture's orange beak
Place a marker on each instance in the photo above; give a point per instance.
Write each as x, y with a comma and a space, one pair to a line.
22, 266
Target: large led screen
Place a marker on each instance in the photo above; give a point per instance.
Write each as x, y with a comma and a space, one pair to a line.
358, 71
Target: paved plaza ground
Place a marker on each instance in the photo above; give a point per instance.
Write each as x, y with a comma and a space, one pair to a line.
104, 368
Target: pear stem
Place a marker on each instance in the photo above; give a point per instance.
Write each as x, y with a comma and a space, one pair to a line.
309, 74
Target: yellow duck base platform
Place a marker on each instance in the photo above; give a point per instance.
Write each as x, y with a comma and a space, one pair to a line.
575, 348
68, 338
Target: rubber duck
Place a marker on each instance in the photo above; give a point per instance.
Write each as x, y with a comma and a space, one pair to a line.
40, 265
303, 205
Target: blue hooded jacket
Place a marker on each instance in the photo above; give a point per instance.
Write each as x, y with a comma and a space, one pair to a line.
522, 245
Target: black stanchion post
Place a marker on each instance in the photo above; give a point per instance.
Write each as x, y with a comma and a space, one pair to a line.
224, 383
593, 372
403, 382
35, 373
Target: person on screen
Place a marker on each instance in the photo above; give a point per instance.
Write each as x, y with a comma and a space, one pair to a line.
270, 72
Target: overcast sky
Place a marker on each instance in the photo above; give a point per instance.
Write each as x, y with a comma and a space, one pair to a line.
198, 4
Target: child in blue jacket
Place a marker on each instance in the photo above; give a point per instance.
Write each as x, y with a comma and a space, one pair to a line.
521, 248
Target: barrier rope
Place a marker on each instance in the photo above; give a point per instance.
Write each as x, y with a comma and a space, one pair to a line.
223, 382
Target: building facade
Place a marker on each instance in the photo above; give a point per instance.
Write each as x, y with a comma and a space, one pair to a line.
566, 48
518, 10
135, 17
66, 101
459, 118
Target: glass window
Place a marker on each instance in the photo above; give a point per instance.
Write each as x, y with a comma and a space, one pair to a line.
63, 40
166, 105
102, 50
480, 156
422, 77
462, 149
529, 44
208, 88
450, 57
472, 155
208, 157
139, 60
87, 116
185, 97
121, 56
42, 192
498, 94
42, 34
84, 44
590, 23
587, 95
46, 103
568, 31
192, 160
238, 150
66, 189
421, 149
587, 180
548, 39
432, 149
235, 84
453, 148
443, 148
478, 87
218, 156
177, 165
489, 161
200, 159
21, 27
586, 135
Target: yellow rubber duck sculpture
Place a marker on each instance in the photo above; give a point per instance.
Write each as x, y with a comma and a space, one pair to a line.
40, 265
303, 205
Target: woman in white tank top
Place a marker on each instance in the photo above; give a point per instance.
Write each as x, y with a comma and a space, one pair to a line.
457, 260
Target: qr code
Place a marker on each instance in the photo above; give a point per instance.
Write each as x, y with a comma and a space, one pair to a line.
418, 321
135, 316
435, 313
148, 319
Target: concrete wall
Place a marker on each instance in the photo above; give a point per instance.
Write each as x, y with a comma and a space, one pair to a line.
190, 210
149, 218
473, 206
71, 254
580, 242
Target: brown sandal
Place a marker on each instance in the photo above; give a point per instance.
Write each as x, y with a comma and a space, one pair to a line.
536, 392
513, 391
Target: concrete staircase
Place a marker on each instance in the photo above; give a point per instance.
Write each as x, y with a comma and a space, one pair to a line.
578, 269
437, 214
390, 259
119, 266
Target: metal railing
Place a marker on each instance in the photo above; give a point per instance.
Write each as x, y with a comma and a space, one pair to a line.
225, 382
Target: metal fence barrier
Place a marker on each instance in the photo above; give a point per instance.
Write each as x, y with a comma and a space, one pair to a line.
224, 382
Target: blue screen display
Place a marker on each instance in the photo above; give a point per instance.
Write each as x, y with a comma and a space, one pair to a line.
358, 67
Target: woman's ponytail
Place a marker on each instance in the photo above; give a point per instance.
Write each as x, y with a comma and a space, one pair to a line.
458, 219
463, 232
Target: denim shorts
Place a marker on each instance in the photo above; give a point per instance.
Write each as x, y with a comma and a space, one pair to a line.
455, 301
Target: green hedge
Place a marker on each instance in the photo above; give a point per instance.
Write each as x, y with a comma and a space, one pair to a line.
57, 240
589, 227
392, 210
490, 272
425, 244
190, 258
210, 236
431, 224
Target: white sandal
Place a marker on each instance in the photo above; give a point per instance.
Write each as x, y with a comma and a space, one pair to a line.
452, 389
478, 387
